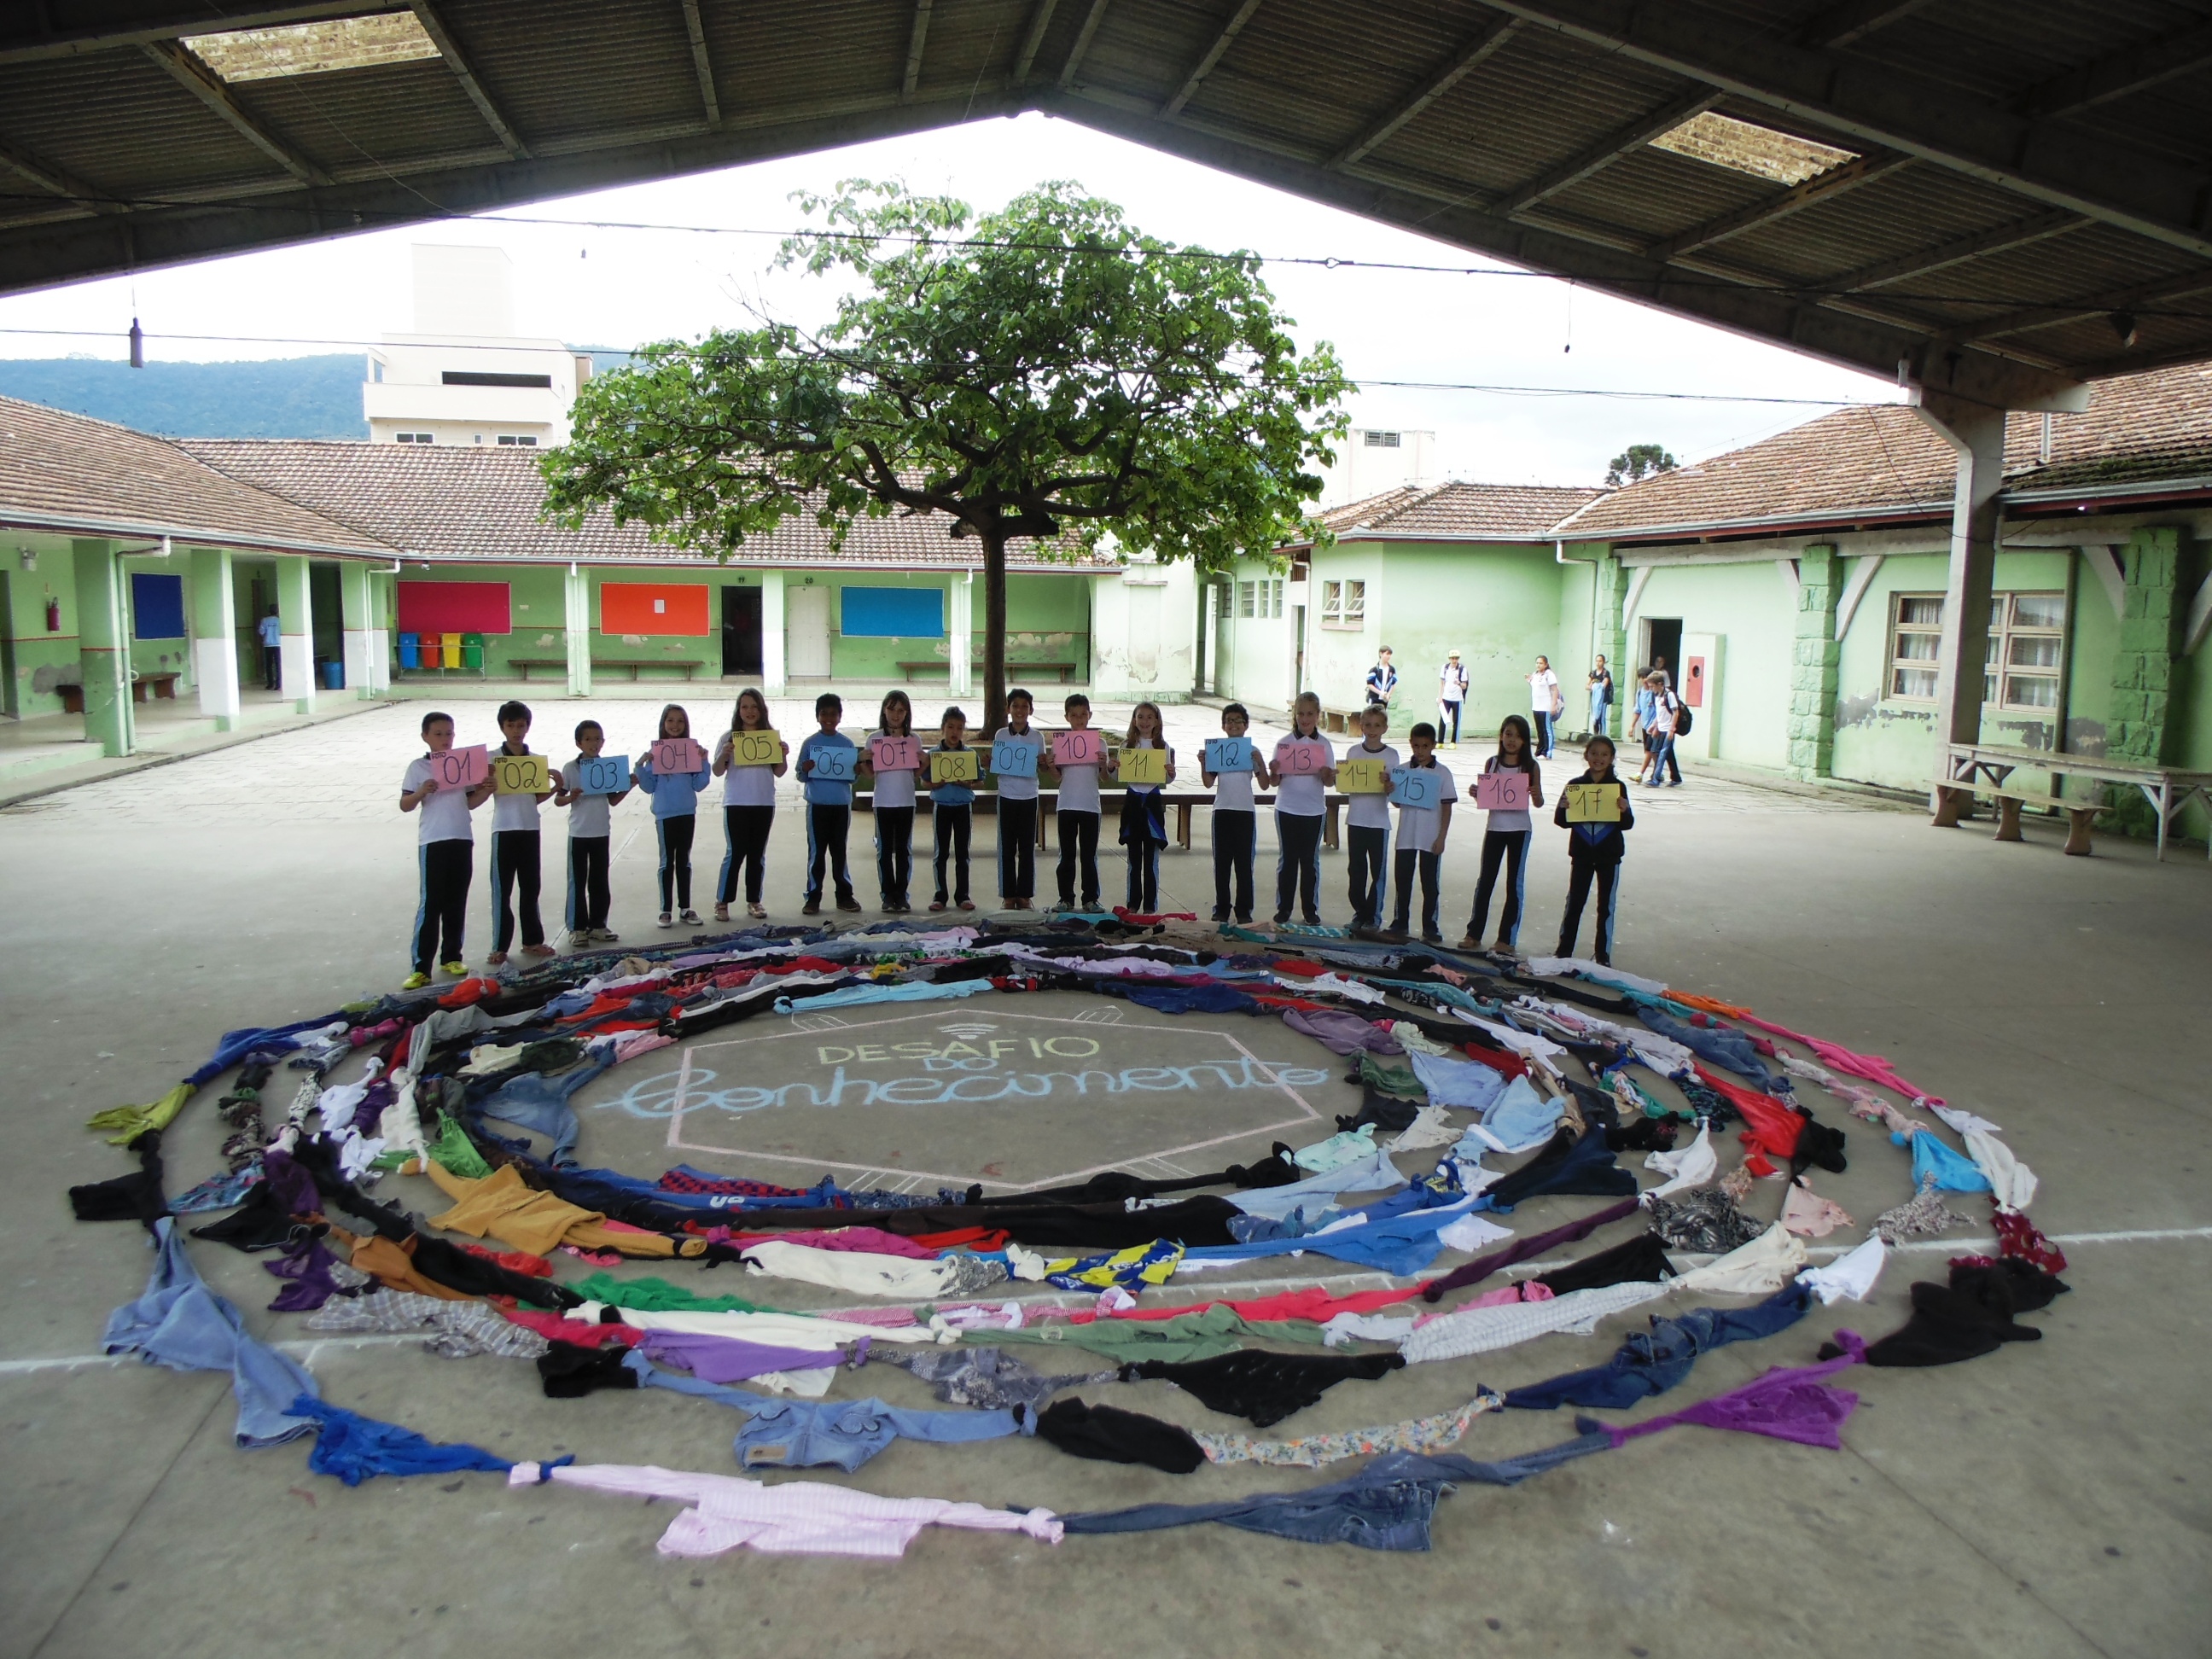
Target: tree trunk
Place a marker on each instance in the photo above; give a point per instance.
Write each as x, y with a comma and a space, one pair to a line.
994, 632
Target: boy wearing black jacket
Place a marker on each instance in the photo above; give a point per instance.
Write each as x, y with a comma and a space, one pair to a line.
1594, 848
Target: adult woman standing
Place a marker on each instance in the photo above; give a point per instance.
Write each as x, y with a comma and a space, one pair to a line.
1601, 698
1545, 703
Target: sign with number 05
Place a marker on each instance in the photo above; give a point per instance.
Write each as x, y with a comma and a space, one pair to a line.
755, 749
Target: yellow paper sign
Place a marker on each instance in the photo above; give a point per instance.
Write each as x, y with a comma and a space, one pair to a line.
519, 775
1147, 766
1593, 803
755, 749
1364, 777
954, 766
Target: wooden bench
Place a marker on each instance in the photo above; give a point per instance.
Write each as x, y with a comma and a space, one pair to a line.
523, 664
633, 663
143, 687
1335, 719
1059, 670
1971, 770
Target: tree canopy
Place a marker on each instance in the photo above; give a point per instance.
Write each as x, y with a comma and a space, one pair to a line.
1638, 462
1045, 372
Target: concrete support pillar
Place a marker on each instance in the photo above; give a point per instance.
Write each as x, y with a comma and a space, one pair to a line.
358, 646
1976, 434
1609, 624
579, 626
1814, 662
215, 635
383, 595
2152, 609
774, 676
295, 618
103, 643
960, 636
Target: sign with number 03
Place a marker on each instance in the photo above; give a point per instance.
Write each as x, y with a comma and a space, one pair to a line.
521, 775
603, 775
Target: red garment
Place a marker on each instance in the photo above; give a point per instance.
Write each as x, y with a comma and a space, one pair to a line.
2019, 1236
806, 965
1770, 1126
1872, 1067
582, 1333
1503, 1061
1312, 1302
1298, 965
468, 991
520, 1262
1136, 919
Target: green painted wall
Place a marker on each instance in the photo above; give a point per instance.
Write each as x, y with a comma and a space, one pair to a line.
1497, 603
43, 659
1752, 610
1572, 650
1338, 658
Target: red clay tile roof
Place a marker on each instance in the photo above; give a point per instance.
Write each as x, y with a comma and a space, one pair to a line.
74, 474
1461, 512
466, 502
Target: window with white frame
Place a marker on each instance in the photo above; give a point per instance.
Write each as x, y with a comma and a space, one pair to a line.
1344, 605
523, 442
2027, 649
414, 437
1247, 599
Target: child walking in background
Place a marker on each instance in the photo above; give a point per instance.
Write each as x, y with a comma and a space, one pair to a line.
1018, 814
591, 819
1367, 822
675, 818
951, 816
1421, 833
894, 802
1079, 813
517, 862
1594, 854
1236, 826
447, 844
1144, 815
1300, 800
747, 807
1506, 841
829, 805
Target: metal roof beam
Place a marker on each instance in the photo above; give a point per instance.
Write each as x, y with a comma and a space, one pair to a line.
203, 83
1033, 38
697, 29
1881, 104
917, 37
1479, 48
1608, 150
2130, 70
1084, 37
442, 37
2027, 319
1854, 20
2021, 232
55, 182
1837, 180
47, 46
1204, 67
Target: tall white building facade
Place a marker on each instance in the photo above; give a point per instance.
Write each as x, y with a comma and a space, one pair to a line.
1372, 459
465, 376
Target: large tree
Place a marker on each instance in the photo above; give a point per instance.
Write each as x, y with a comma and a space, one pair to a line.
1044, 373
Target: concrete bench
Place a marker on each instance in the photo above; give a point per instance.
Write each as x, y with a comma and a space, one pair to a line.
523, 664
688, 666
1972, 769
1059, 670
143, 687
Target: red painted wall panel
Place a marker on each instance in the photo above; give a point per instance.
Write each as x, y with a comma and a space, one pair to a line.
453, 608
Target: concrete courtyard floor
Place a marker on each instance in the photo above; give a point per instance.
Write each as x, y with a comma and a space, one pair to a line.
2053, 1498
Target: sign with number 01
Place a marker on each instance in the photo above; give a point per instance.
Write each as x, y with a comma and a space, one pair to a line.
954, 766
755, 748
1228, 755
602, 774
1415, 788
461, 768
1084, 748
1300, 757
521, 775
673, 757
1015, 758
834, 765
1502, 792
1356, 776
890, 754
1143, 765
1593, 803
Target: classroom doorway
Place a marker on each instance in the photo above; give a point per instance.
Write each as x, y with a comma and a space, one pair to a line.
741, 631
1662, 647
806, 633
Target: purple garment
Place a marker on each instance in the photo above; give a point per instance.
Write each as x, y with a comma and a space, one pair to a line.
370, 1112
1346, 1034
1522, 1248
291, 1186
308, 1265
727, 1359
1785, 1404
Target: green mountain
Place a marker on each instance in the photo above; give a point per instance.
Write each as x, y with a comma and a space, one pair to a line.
281, 397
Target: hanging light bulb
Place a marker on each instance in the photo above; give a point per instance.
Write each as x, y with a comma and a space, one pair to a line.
137, 346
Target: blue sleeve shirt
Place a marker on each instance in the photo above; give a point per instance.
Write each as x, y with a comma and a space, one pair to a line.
676, 796
837, 793
951, 794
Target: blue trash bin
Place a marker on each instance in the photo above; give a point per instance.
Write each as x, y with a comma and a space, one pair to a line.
333, 675
411, 650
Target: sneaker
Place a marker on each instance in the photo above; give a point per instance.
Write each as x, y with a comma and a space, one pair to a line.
722, 912
811, 907
606, 936
455, 969
1244, 919
1313, 920
755, 911
1282, 918
414, 981
1221, 913
1469, 942
849, 904
937, 904
539, 950
967, 904
691, 919
497, 959
663, 919
1433, 939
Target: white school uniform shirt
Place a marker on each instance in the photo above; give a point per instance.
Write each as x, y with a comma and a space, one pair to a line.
1232, 792
1019, 788
745, 786
511, 812
590, 817
1506, 822
1078, 786
1418, 825
1544, 692
1302, 797
445, 816
1368, 811
893, 789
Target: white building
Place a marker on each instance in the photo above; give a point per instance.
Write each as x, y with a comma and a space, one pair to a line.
1372, 459
465, 376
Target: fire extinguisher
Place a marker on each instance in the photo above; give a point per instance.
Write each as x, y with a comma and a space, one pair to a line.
53, 616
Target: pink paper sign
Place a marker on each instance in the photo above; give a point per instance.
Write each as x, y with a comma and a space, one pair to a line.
672, 757
888, 753
1084, 748
1502, 792
461, 768
1302, 757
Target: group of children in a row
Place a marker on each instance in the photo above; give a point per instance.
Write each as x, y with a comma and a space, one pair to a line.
447, 838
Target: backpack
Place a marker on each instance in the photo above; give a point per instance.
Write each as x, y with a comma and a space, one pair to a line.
1683, 719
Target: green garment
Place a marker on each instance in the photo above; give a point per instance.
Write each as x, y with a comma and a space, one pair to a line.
456, 1153
1392, 1075
1191, 1336
659, 1296
134, 1121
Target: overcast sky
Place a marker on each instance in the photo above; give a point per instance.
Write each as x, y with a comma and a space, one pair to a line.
612, 287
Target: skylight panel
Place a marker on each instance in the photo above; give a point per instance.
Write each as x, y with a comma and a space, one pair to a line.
1742, 147
341, 42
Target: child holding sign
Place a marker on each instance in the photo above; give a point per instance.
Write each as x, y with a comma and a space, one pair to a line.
1301, 772
1235, 817
1509, 775
952, 773
894, 798
516, 863
1018, 806
1077, 754
591, 809
675, 794
446, 843
827, 761
1367, 818
1144, 818
1595, 813
748, 801
1423, 791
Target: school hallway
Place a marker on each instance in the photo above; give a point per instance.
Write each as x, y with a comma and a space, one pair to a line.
2051, 1498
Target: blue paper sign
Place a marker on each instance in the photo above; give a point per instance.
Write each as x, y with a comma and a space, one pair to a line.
1016, 757
609, 775
1415, 788
833, 765
1228, 755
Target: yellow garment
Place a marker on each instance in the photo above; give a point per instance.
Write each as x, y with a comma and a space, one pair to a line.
135, 1120
502, 1206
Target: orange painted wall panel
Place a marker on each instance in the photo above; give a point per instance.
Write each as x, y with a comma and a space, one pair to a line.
654, 608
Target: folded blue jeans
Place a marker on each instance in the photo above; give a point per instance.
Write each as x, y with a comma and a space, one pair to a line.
1652, 1363
539, 1103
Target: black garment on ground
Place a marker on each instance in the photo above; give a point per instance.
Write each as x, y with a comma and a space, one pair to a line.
1520, 1249
1110, 1436
135, 1197
1706, 1221
1969, 1316
570, 1373
261, 1222
1383, 1111
1276, 1170
1579, 1167
1643, 1257
1646, 1135
1264, 1386
1818, 1144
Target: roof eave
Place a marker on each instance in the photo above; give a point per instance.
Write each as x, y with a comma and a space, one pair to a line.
1831, 518
54, 523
